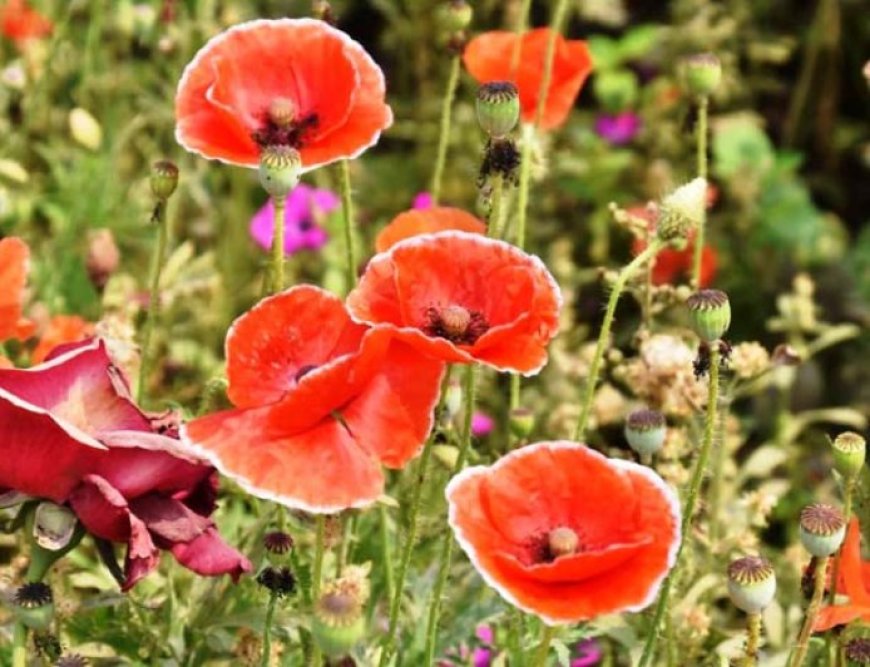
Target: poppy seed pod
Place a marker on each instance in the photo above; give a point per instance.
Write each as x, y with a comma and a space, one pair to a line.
751, 583
521, 422
339, 618
164, 179
703, 72
280, 168
849, 451
822, 529
278, 542
498, 108
645, 431
34, 605
710, 311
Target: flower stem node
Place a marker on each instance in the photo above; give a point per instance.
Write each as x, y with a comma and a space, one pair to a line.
498, 108
339, 612
164, 179
710, 311
521, 422
849, 451
280, 169
645, 431
751, 583
34, 605
562, 541
703, 73
822, 529
53, 526
682, 211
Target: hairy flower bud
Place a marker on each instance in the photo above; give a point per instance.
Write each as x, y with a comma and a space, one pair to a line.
682, 211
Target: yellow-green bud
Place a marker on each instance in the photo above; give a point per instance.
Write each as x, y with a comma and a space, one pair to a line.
498, 108
164, 179
521, 422
703, 72
645, 431
751, 584
849, 450
453, 398
711, 313
34, 605
454, 16
822, 529
616, 89
280, 169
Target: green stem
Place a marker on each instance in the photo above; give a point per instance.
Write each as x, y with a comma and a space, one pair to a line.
154, 295
528, 133
347, 537
447, 544
691, 500
19, 645
703, 107
316, 576
347, 222
624, 276
514, 635
803, 642
267, 631
280, 205
444, 134
547, 635
848, 494
556, 20
387, 551
753, 636
494, 228
718, 472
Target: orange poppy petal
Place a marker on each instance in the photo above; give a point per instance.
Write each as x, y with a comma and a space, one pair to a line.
322, 469
851, 569
832, 616
427, 221
270, 348
14, 266
61, 329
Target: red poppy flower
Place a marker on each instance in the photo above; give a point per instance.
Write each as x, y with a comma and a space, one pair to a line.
296, 82
565, 533
72, 434
61, 329
14, 264
489, 57
321, 404
854, 581
19, 22
462, 298
427, 221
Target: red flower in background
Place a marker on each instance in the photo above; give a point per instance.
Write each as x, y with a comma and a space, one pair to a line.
321, 404
462, 298
19, 22
854, 581
296, 82
426, 221
61, 329
490, 56
14, 265
72, 434
562, 532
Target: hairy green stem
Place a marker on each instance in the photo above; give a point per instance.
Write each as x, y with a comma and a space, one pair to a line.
280, 205
547, 634
621, 281
803, 642
386, 550
159, 219
316, 576
514, 636
19, 645
691, 500
753, 637
447, 544
556, 20
494, 227
444, 134
703, 108
347, 223
267, 631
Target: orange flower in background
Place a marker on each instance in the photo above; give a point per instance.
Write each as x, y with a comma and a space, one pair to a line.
19, 22
565, 533
61, 329
489, 57
294, 82
854, 582
462, 298
14, 265
427, 221
321, 404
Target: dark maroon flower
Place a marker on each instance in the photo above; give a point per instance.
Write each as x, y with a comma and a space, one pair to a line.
71, 433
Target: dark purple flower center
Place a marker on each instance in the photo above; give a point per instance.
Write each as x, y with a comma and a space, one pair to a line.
283, 126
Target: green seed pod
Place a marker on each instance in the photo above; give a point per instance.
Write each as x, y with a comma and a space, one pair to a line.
279, 171
34, 605
164, 179
849, 450
703, 73
521, 422
339, 618
711, 314
645, 431
72, 660
53, 526
498, 108
822, 529
454, 16
751, 584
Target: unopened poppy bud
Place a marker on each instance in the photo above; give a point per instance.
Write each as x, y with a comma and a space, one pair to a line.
278, 542
703, 72
453, 398
103, 257
751, 583
858, 651
339, 618
34, 605
645, 431
710, 311
822, 529
498, 108
849, 450
279, 170
562, 541
682, 211
164, 179
53, 526
521, 422
454, 16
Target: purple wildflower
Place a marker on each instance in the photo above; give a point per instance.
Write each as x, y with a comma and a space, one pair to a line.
304, 205
481, 424
423, 200
588, 653
482, 657
618, 129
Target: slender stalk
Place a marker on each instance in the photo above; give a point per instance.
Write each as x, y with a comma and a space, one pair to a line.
691, 500
444, 134
347, 536
543, 651
447, 544
159, 219
495, 225
267, 631
849, 491
819, 580
753, 636
624, 276
347, 222
703, 108
556, 20
316, 575
717, 474
520, 27
280, 206
19, 645
387, 551
514, 635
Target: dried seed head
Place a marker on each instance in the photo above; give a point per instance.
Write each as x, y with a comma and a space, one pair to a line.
822, 529
498, 108
645, 431
849, 450
562, 541
278, 581
279, 171
278, 542
339, 618
711, 314
751, 583
34, 605
703, 72
72, 660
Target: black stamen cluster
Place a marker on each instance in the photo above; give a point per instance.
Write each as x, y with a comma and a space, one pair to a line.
279, 581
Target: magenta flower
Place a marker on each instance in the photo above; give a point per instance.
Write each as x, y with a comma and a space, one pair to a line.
618, 129
70, 433
481, 424
301, 231
422, 200
587, 653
